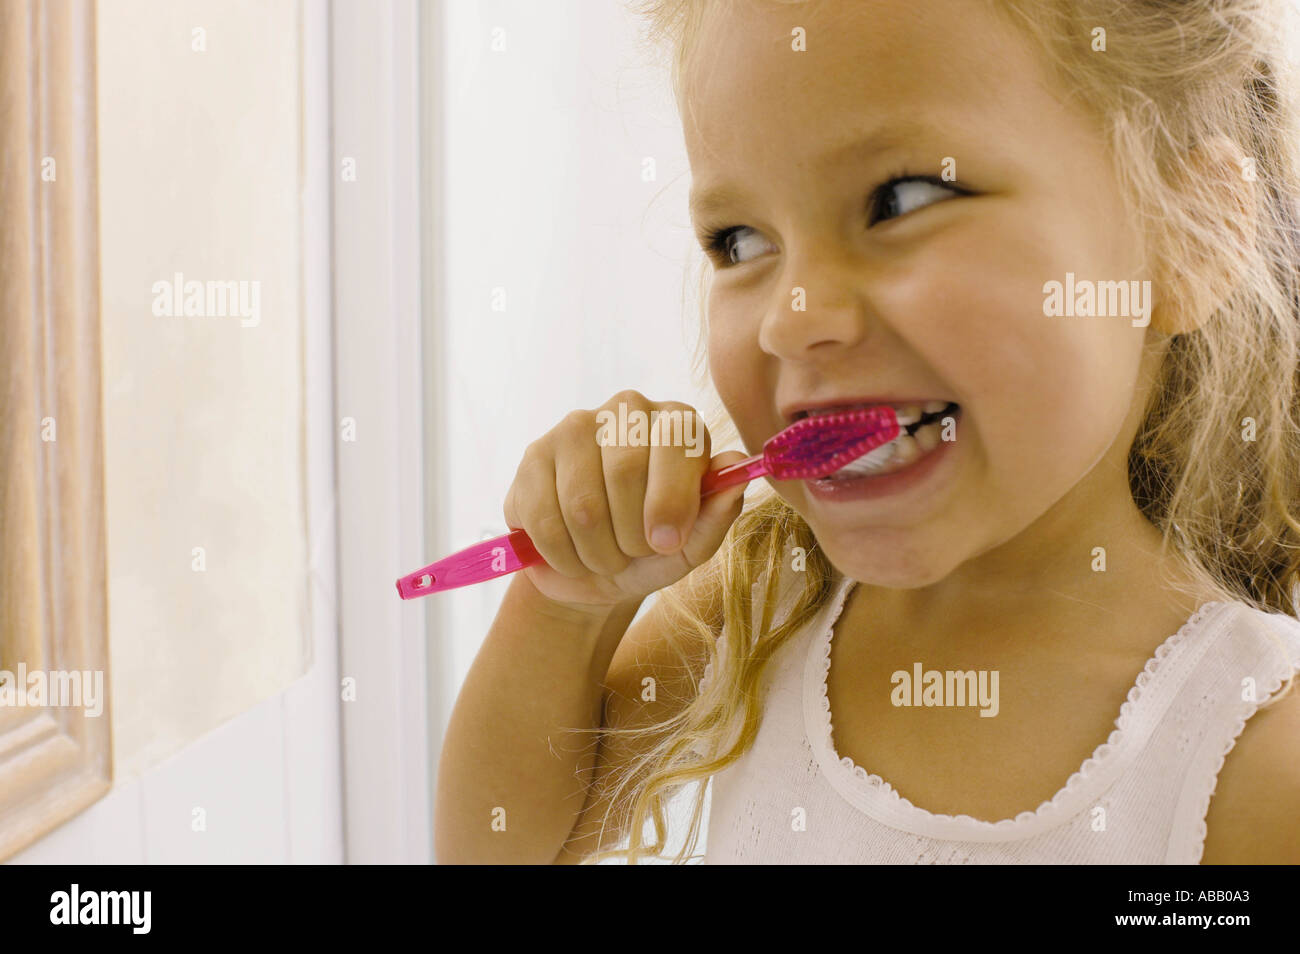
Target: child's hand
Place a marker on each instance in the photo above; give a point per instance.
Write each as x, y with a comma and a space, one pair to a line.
592, 511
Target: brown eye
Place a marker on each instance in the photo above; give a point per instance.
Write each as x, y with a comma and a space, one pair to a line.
905, 194
724, 245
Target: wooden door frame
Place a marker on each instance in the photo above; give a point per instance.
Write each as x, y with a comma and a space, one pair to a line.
53, 581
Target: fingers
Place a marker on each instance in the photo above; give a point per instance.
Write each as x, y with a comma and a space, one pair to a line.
672, 494
533, 505
717, 513
592, 504
625, 473
584, 503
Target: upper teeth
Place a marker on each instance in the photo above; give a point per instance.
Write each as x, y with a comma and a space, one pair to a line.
907, 414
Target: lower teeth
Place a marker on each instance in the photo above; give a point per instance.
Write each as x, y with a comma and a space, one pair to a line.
895, 455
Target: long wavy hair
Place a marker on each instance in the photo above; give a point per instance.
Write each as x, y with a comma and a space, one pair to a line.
1223, 490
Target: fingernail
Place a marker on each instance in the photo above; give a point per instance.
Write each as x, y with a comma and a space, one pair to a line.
664, 538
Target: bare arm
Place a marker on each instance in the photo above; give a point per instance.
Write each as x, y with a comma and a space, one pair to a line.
509, 786
513, 775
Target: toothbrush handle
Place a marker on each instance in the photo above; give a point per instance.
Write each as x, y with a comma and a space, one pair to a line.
513, 551
485, 560
738, 473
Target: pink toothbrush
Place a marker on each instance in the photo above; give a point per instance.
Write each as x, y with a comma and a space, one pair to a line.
809, 448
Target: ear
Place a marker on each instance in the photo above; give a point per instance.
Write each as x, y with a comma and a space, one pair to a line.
1218, 176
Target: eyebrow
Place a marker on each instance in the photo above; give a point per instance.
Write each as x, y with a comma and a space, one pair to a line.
709, 200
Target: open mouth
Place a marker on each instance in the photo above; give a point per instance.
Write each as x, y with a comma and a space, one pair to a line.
920, 430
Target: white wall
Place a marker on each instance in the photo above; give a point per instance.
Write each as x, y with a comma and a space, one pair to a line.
543, 155
379, 392
542, 158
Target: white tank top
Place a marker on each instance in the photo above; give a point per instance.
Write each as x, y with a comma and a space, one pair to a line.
1141, 798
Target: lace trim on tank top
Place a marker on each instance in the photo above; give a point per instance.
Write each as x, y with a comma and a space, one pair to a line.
1191, 851
877, 798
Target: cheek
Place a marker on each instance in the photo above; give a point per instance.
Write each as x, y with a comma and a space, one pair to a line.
1085, 393
1043, 394
724, 363
734, 359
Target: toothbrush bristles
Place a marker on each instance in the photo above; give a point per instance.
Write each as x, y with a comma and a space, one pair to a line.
818, 446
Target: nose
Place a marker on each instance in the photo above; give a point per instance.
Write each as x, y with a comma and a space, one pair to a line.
821, 306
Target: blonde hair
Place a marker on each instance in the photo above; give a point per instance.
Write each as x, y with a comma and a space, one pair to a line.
1175, 75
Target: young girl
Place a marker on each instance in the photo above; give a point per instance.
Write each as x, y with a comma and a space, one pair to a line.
1055, 625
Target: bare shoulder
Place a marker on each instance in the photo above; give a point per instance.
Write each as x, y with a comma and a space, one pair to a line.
1252, 818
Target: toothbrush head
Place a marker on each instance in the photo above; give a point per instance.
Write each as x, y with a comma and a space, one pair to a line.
819, 445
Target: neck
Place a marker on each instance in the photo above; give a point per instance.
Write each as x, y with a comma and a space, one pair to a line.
1082, 564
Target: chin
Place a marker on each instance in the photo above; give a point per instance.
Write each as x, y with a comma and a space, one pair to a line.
899, 571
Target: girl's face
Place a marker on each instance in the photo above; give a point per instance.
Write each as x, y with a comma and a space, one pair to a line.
916, 292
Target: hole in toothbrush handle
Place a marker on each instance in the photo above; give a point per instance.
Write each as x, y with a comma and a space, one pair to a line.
484, 560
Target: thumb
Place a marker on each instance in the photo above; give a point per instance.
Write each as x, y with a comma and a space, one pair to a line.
717, 513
